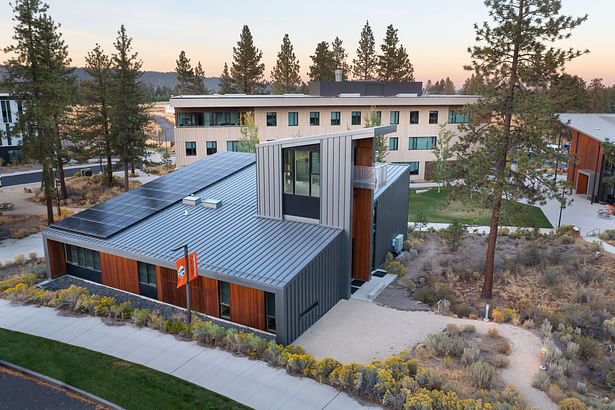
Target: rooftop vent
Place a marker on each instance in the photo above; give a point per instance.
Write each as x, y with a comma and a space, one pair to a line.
191, 200
212, 203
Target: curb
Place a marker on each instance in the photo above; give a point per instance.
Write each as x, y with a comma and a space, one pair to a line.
61, 384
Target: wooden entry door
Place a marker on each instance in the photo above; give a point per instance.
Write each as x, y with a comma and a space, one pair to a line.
582, 182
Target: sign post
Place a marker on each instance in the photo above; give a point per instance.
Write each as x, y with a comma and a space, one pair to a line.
187, 270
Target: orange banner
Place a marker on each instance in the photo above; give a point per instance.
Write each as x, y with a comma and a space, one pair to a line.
181, 269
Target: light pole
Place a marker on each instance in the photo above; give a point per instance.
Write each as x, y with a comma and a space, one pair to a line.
187, 264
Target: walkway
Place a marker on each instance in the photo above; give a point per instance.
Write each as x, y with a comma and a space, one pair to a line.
251, 382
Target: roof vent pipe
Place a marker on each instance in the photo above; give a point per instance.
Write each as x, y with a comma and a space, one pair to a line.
339, 75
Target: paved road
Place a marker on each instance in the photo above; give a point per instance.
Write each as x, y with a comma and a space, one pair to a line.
35, 176
167, 128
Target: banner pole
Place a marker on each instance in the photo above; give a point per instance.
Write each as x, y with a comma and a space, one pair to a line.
187, 283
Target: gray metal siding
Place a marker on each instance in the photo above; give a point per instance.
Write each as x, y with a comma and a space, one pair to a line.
318, 283
269, 180
391, 215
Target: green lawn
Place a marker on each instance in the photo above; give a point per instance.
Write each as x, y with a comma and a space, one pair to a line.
429, 204
126, 384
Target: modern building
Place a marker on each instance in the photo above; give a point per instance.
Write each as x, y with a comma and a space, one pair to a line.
588, 167
281, 235
10, 140
208, 124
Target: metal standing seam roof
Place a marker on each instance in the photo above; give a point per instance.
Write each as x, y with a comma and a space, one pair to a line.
394, 171
598, 126
231, 240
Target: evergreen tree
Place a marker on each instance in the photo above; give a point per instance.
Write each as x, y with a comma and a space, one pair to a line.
446, 87
94, 119
285, 74
226, 84
372, 119
597, 95
249, 134
37, 76
197, 85
364, 66
567, 93
128, 121
323, 63
443, 153
515, 59
471, 86
339, 56
393, 63
247, 69
185, 74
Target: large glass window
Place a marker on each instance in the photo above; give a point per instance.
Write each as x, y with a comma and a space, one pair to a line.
147, 274
6, 111
190, 148
86, 258
302, 171
293, 119
314, 118
418, 143
356, 118
433, 117
394, 117
272, 119
270, 312
414, 167
232, 146
414, 117
456, 117
225, 300
393, 143
336, 118
209, 119
212, 147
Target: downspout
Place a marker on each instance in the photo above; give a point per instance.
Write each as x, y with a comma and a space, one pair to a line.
596, 172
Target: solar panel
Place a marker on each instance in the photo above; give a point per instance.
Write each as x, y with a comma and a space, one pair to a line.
116, 214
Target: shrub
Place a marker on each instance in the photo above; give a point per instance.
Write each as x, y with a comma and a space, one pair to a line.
87, 304
258, 345
501, 361
512, 396
609, 379
407, 256
300, 364
453, 235
21, 292
492, 332
124, 310
555, 393
20, 259
546, 327
28, 279
388, 258
442, 345
343, 377
541, 381
483, 375
452, 330
572, 403
276, 354
435, 292
609, 326
156, 322
32, 256
461, 310
42, 296
554, 352
139, 317
396, 268
367, 382
468, 329
504, 348
498, 316
589, 348
581, 388
556, 373
549, 276
323, 368
572, 350
428, 378
471, 354
401, 366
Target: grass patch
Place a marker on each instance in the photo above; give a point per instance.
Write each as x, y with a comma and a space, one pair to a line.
430, 202
126, 384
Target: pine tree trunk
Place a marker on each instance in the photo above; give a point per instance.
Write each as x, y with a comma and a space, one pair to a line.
49, 203
46, 180
109, 170
132, 169
490, 261
62, 177
126, 186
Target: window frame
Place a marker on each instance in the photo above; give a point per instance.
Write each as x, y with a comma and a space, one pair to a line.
336, 118
271, 118
291, 171
234, 144
295, 117
190, 152
355, 118
314, 118
150, 271
456, 118
391, 144
224, 305
270, 316
413, 143
414, 114
73, 254
211, 145
433, 116
394, 118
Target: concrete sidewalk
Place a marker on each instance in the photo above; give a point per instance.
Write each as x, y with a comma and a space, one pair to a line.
251, 382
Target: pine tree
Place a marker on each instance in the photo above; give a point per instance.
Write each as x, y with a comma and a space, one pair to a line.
364, 66
197, 85
185, 73
38, 77
515, 58
443, 154
372, 119
226, 84
247, 69
94, 119
285, 74
249, 134
568, 93
128, 97
471, 86
393, 63
597, 93
443, 86
323, 63
339, 56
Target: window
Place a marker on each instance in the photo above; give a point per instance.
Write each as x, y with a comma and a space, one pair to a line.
417, 143
314, 118
414, 117
212, 147
272, 119
455, 117
190, 148
335, 117
414, 167
270, 312
301, 181
356, 118
394, 117
433, 117
86, 258
225, 300
147, 274
6, 111
293, 119
378, 117
209, 119
232, 146
393, 143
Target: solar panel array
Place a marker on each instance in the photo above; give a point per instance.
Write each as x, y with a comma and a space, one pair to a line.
116, 214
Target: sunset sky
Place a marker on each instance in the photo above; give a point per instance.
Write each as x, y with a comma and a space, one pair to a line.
436, 33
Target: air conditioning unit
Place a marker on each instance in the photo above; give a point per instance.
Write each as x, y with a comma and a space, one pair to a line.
398, 243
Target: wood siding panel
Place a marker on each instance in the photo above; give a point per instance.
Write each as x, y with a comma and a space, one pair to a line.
203, 292
57, 262
247, 306
120, 273
585, 156
166, 281
361, 233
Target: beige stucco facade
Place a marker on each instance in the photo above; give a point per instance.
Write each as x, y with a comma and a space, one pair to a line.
303, 106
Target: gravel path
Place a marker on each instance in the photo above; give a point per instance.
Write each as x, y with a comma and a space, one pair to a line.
378, 332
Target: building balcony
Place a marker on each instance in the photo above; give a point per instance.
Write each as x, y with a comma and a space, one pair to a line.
370, 177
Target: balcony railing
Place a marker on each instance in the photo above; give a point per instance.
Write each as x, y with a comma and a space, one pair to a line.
370, 177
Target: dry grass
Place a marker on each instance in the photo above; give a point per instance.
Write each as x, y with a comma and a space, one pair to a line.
21, 226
